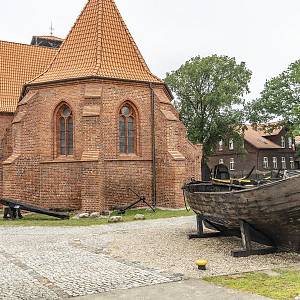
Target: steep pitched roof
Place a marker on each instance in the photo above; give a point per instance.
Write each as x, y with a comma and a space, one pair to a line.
18, 64
256, 139
99, 45
270, 129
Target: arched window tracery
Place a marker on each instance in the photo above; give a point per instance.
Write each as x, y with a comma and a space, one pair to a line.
64, 131
127, 130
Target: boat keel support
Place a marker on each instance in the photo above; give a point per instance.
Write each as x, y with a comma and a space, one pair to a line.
247, 249
220, 231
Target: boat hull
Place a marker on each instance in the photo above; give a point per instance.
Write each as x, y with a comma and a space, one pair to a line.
272, 209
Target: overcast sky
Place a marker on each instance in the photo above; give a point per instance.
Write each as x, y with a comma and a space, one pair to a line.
263, 33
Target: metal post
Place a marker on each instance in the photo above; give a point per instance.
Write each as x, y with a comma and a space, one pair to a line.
154, 202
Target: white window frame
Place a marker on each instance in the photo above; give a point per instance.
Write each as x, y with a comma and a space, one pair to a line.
292, 163
290, 142
231, 164
282, 142
231, 145
266, 162
283, 163
221, 145
275, 163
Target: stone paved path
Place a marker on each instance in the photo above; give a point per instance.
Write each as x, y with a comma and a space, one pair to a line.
53, 263
63, 262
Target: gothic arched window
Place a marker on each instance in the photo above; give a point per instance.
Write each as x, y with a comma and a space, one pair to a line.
64, 125
127, 129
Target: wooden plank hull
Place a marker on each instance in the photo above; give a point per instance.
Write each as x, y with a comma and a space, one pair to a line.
272, 209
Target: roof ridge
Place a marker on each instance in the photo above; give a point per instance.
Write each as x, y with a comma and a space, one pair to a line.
99, 49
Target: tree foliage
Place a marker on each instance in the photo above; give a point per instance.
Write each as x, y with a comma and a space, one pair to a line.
280, 100
209, 96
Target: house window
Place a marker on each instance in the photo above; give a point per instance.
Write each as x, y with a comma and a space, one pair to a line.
64, 129
292, 163
266, 163
290, 142
221, 145
221, 161
282, 142
127, 130
231, 147
231, 164
275, 163
283, 163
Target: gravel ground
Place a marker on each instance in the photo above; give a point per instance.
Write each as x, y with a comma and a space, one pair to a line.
61, 262
164, 244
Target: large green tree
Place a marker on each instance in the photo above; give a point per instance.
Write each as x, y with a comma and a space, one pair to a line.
280, 100
210, 98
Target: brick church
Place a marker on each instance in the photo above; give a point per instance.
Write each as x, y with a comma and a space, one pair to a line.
83, 123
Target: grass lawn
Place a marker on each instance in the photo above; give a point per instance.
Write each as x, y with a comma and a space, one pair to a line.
41, 220
282, 287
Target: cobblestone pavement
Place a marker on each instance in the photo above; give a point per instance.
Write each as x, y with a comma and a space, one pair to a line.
55, 263
63, 262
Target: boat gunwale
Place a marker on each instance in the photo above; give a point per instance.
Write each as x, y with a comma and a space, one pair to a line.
242, 191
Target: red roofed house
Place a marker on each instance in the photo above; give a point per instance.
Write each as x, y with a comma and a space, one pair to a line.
262, 150
93, 123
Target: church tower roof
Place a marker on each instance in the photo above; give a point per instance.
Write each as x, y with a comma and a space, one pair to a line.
98, 45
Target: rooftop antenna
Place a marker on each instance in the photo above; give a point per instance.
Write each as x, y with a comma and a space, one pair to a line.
51, 29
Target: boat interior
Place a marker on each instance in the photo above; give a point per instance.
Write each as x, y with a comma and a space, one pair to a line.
220, 180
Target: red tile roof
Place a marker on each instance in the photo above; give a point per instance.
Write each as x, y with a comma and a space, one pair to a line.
99, 45
19, 63
257, 139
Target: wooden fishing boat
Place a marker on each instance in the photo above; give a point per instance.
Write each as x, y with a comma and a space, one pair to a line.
269, 211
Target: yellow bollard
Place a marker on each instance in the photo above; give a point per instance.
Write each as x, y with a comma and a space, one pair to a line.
201, 264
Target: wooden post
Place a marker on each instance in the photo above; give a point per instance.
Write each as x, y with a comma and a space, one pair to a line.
245, 234
200, 230
247, 249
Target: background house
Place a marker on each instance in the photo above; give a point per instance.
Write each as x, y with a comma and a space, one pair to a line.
262, 150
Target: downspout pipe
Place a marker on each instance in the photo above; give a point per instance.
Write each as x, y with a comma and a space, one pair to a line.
154, 175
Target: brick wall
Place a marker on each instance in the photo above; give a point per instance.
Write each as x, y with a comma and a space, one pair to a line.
5, 122
5, 142
97, 176
177, 159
